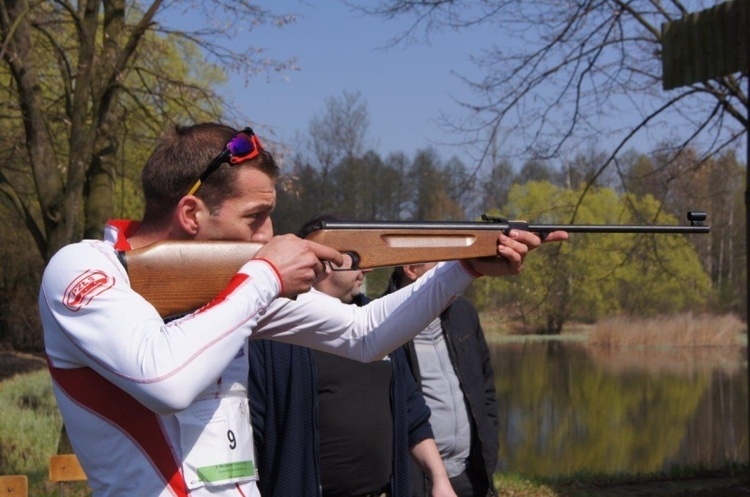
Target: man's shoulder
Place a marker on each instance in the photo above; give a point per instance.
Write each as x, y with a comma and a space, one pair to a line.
462, 304
398, 356
361, 299
84, 246
85, 253
461, 317
276, 348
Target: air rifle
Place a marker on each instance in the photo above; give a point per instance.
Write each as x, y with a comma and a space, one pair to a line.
180, 276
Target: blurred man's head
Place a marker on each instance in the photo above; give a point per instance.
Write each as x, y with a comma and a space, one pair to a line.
408, 274
341, 282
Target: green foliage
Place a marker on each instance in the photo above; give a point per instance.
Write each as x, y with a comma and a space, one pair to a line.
31, 423
687, 180
596, 275
377, 282
90, 91
169, 79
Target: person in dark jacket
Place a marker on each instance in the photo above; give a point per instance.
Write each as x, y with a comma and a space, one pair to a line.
328, 426
451, 361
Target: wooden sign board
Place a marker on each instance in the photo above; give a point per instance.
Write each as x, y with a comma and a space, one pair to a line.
706, 44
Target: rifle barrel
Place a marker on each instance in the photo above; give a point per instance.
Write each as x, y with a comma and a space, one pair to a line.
616, 228
505, 226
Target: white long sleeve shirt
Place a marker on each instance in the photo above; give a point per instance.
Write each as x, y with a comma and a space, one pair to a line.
160, 409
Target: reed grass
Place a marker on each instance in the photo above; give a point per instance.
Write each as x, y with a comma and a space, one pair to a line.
684, 330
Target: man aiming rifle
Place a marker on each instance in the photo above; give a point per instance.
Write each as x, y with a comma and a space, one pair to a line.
156, 408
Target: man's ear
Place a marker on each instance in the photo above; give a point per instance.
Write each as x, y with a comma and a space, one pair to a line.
190, 210
410, 271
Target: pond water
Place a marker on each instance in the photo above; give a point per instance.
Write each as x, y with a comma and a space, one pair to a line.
567, 408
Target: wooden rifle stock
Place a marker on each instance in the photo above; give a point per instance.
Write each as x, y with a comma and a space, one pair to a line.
180, 276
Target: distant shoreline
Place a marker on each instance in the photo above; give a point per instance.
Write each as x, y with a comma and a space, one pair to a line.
684, 330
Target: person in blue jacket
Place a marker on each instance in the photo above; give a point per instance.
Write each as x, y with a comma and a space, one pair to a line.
327, 426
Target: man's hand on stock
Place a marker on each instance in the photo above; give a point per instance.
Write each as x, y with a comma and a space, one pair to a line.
512, 250
298, 262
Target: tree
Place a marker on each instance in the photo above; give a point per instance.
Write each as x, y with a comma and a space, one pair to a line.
392, 188
535, 170
434, 196
582, 170
496, 185
79, 76
566, 74
713, 184
594, 276
341, 176
337, 138
20, 269
297, 194
341, 131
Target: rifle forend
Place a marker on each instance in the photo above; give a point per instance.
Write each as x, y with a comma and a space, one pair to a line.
180, 276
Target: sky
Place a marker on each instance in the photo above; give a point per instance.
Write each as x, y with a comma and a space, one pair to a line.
338, 50
406, 87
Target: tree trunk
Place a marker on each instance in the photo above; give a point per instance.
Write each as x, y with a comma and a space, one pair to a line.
58, 226
99, 192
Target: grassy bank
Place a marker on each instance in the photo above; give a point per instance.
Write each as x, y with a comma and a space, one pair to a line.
683, 330
30, 432
31, 423
730, 481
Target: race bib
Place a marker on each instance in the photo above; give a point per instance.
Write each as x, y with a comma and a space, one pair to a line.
217, 442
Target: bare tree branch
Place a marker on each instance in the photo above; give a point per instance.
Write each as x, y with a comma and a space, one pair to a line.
562, 68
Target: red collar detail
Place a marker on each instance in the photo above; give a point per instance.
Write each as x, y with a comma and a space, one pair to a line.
123, 229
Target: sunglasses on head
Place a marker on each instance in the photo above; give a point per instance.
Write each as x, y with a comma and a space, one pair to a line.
242, 147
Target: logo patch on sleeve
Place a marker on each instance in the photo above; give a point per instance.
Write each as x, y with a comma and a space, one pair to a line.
84, 288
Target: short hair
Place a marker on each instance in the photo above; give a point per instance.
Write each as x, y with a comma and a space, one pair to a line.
181, 155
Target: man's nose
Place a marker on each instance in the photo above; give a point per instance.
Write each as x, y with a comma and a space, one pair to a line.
264, 233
